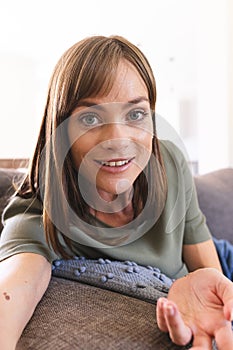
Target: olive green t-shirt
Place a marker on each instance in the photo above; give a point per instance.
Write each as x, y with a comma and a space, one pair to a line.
181, 222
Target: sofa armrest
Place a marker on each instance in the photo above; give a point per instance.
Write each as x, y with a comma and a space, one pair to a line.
92, 318
8, 177
215, 195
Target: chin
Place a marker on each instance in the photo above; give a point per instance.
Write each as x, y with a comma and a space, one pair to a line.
120, 187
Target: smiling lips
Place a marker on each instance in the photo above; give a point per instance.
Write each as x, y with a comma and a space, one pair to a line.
115, 163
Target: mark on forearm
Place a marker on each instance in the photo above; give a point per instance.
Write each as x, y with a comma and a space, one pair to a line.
7, 297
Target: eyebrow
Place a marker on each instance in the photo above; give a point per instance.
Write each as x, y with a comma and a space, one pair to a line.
89, 103
138, 100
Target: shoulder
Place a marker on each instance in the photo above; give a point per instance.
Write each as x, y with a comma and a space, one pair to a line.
171, 152
178, 171
19, 205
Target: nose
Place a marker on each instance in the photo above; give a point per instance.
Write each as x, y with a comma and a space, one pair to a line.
115, 136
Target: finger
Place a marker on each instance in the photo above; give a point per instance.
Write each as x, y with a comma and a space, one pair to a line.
225, 292
202, 342
224, 338
179, 333
228, 309
161, 321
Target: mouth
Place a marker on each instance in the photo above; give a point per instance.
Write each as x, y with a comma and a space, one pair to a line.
114, 163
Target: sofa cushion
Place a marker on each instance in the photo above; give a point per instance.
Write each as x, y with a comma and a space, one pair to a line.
92, 318
8, 179
215, 195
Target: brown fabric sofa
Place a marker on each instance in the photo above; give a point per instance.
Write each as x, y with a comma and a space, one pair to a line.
75, 315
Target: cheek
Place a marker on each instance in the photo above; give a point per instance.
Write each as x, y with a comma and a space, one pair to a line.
144, 139
144, 135
148, 143
144, 150
78, 152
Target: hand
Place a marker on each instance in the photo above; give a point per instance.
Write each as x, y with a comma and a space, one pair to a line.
199, 306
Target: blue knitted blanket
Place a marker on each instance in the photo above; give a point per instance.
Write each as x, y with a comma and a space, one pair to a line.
127, 277
225, 254
142, 282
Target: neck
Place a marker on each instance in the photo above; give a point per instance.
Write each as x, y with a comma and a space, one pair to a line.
115, 219
113, 209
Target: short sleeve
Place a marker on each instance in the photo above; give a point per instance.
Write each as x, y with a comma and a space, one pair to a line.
23, 230
196, 230
182, 200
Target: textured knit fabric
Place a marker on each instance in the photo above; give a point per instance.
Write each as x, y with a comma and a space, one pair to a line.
99, 305
181, 222
76, 316
129, 278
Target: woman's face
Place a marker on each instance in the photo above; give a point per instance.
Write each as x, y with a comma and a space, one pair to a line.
111, 136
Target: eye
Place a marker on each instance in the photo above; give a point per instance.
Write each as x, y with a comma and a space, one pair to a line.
90, 119
137, 115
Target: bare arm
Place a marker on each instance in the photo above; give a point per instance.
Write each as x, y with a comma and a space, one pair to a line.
23, 280
201, 255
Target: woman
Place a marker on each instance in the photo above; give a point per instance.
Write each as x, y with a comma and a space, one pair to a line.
106, 187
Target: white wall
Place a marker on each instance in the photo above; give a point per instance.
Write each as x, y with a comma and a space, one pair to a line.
187, 42
230, 81
212, 85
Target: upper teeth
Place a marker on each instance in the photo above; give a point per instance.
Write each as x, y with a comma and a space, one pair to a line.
118, 163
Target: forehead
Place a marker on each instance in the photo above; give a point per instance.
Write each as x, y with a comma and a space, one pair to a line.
126, 85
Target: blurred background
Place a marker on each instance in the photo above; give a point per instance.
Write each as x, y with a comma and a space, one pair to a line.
189, 44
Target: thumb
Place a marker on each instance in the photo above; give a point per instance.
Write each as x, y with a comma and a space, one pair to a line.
228, 310
225, 292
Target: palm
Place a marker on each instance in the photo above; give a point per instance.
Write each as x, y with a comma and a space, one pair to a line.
204, 300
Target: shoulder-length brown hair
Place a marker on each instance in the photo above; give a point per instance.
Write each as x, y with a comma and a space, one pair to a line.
86, 69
